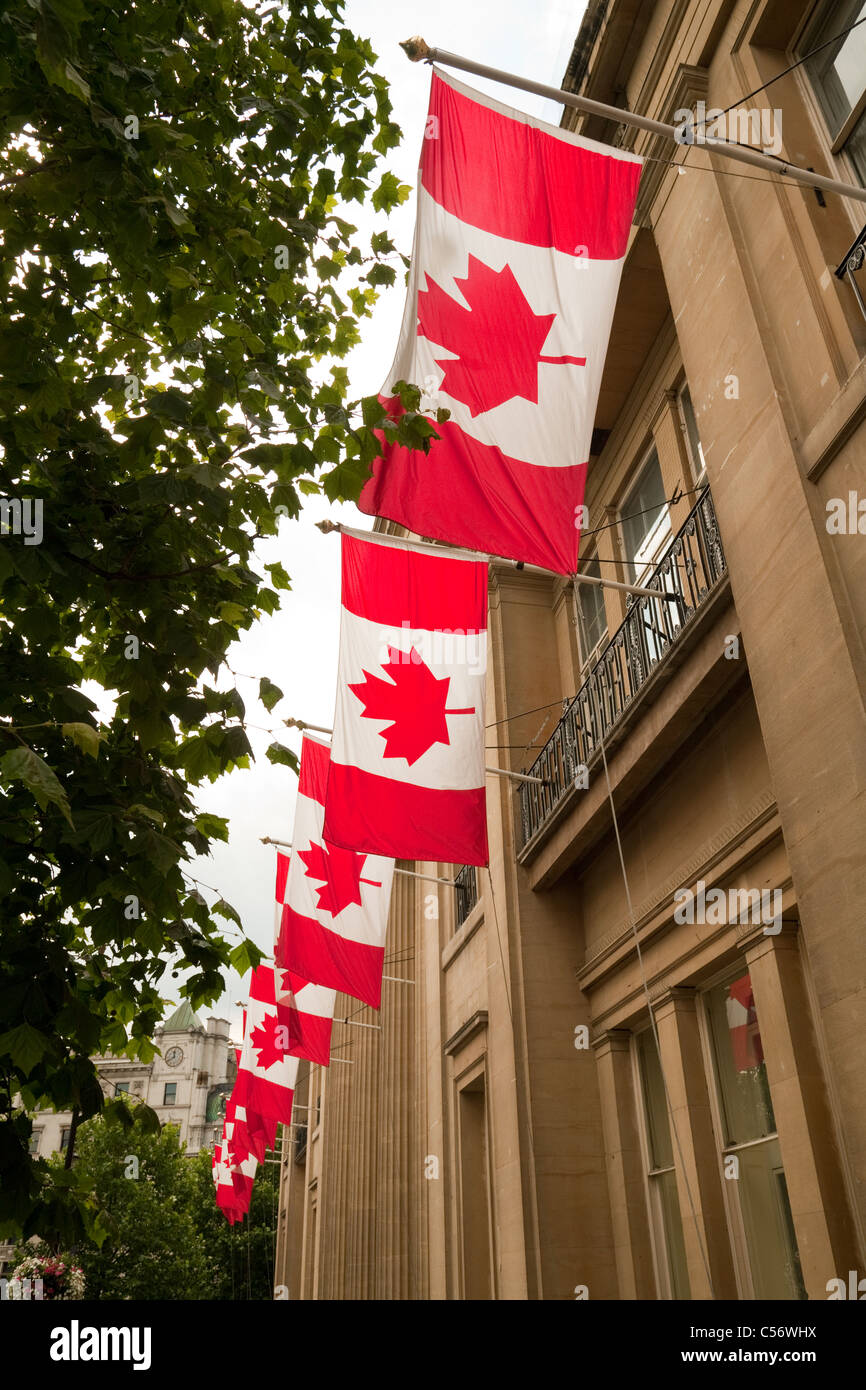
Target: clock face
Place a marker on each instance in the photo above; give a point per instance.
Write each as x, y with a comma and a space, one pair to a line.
174, 1057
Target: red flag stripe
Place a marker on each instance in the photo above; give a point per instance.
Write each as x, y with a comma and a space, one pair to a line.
324, 956
457, 486
313, 779
529, 181
394, 586
377, 810
268, 1101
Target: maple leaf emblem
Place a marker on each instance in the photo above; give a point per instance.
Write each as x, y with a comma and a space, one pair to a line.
340, 872
264, 1041
498, 339
414, 700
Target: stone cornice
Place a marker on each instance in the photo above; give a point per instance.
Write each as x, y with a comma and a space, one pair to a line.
466, 1032
699, 865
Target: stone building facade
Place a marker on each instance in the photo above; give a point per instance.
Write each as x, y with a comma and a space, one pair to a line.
186, 1083
574, 1092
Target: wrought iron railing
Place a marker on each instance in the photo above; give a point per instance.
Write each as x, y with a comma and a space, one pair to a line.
466, 893
851, 264
689, 569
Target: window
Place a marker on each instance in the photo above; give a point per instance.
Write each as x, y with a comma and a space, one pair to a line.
749, 1143
64, 1137
591, 613
35, 1137
838, 77
645, 520
169, 1096
690, 430
474, 1192
665, 1217
465, 894
121, 1088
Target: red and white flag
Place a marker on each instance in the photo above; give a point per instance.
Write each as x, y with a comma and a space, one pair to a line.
252, 1134
266, 1077
407, 760
520, 239
307, 1010
234, 1184
336, 912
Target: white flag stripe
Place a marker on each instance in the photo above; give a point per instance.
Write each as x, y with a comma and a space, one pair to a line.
457, 765
363, 922
312, 999
283, 1072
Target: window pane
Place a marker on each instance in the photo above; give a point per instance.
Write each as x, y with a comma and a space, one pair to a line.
696, 453
664, 1198
747, 1112
838, 73
773, 1253
655, 1105
121, 1088
855, 147
669, 1204
170, 1093
590, 605
644, 517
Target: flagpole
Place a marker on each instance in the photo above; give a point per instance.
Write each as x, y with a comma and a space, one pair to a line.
417, 51
300, 724
381, 537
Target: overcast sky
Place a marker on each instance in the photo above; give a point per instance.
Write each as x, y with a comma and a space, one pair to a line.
297, 647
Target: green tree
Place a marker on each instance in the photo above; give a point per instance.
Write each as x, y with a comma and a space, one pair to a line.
143, 1185
241, 1257
177, 281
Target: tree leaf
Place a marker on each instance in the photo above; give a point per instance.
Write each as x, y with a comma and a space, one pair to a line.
22, 764
223, 909
84, 736
25, 1045
269, 694
278, 754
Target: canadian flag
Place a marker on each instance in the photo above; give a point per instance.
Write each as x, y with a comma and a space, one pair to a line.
234, 1174
280, 892
307, 1010
520, 239
337, 901
266, 1077
251, 1134
407, 761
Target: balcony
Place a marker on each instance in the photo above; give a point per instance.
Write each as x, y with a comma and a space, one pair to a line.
691, 569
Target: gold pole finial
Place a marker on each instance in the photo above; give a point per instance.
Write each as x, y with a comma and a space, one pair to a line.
416, 49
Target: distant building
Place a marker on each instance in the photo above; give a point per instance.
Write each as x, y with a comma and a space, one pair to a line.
186, 1085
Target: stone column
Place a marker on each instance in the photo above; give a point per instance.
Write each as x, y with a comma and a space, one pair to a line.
805, 1125
625, 1164
696, 1156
